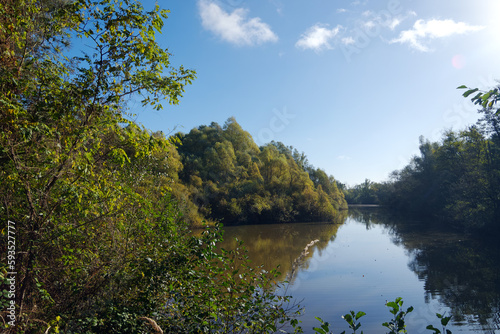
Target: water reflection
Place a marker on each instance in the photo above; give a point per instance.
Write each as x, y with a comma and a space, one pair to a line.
371, 256
459, 270
281, 244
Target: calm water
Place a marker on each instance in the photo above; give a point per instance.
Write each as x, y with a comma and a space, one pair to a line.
368, 258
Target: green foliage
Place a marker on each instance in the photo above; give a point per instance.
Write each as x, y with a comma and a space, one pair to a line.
89, 197
233, 180
397, 324
352, 318
324, 328
367, 192
444, 322
196, 288
223, 293
486, 99
101, 244
457, 179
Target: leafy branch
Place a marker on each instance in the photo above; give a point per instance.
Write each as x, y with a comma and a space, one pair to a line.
486, 99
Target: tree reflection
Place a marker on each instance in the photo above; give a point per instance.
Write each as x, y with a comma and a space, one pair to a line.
461, 271
280, 245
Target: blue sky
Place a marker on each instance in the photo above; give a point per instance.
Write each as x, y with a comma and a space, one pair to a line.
353, 84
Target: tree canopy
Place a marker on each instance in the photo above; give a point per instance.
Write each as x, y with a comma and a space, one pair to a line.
233, 180
456, 179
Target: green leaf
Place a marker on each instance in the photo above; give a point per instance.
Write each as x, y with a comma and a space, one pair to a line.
319, 330
486, 96
432, 328
393, 305
360, 314
462, 87
470, 91
445, 320
477, 96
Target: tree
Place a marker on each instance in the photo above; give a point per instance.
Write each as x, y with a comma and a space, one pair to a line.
458, 178
63, 146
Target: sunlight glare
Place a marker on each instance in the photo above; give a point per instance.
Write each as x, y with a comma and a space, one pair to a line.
458, 61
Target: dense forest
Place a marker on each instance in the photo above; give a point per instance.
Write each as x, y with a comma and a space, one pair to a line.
232, 180
456, 180
220, 174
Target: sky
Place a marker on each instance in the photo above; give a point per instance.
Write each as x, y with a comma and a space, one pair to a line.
352, 84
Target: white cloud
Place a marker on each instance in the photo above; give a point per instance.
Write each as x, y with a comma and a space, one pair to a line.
317, 37
341, 10
424, 31
344, 157
234, 27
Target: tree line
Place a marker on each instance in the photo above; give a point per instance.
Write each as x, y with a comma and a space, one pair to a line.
456, 179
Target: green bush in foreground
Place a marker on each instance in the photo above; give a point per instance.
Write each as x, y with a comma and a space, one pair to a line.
395, 325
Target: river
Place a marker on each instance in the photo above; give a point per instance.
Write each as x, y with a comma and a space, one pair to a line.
369, 257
